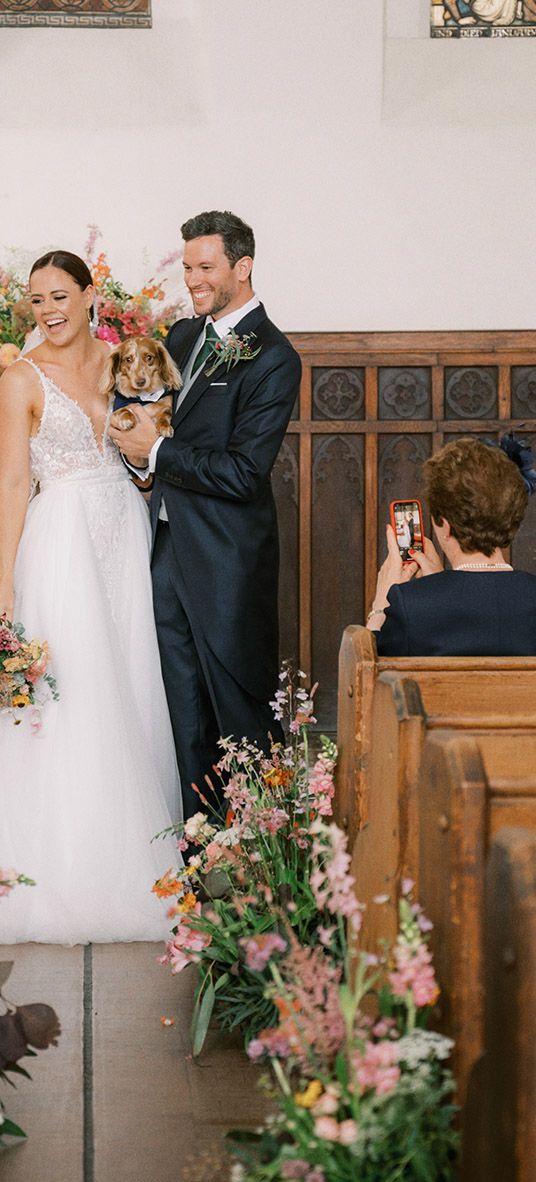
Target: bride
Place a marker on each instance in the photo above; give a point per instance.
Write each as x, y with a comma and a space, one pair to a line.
81, 799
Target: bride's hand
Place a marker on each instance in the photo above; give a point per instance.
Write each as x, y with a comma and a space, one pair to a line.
6, 601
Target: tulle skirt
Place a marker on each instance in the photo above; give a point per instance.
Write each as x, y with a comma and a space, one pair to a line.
82, 799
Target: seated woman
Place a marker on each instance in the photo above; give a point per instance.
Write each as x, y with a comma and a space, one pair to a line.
477, 494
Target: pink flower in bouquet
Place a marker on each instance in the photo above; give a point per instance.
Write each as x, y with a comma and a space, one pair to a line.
414, 973
9, 642
106, 332
260, 948
347, 1132
186, 944
36, 670
376, 1068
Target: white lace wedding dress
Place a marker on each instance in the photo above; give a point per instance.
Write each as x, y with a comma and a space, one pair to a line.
81, 800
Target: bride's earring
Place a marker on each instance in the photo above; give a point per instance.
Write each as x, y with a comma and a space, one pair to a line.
93, 316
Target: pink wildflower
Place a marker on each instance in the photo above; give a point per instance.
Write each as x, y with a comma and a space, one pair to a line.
414, 973
347, 1132
376, 1068
332, 886
8, 879
321, 785
260, 948
327, 1128
186, 944
9, 643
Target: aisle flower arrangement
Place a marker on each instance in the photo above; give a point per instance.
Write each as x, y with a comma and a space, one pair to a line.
362, 1090
249, 878
23, 673
147, 311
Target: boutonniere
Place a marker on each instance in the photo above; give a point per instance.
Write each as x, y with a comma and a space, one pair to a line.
230, 350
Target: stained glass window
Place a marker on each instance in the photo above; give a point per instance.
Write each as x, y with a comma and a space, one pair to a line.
84, 13
483, 18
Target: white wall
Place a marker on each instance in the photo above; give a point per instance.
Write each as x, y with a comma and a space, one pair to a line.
389, 178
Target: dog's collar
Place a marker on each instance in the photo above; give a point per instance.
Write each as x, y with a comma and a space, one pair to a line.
143, 397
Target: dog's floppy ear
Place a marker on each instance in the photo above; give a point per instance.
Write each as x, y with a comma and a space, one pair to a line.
109, 374
169, 372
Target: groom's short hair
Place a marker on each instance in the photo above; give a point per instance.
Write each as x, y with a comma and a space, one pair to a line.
238, 237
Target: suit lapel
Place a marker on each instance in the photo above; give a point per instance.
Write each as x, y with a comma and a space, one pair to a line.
201, 383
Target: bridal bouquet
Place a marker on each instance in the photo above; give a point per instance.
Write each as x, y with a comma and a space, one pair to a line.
361, 1088
23, 665
250, 880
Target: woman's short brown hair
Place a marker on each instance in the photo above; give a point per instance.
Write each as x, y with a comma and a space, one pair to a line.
479, 491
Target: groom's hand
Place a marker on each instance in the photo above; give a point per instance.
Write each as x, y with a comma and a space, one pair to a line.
139, 440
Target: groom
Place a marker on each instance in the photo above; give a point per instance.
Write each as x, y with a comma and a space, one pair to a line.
215, 541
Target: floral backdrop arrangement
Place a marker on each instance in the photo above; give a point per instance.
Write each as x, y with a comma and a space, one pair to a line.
21, 1027
266, 908
148, 311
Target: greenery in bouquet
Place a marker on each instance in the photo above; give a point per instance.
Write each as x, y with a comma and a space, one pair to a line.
361, 1088
121, 313
249, 882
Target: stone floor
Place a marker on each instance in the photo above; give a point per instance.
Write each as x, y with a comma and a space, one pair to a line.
120, 1099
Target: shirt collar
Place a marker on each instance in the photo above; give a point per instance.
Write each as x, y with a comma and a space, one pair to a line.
224, 324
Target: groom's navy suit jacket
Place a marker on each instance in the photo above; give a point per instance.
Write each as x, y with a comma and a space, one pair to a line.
214, 475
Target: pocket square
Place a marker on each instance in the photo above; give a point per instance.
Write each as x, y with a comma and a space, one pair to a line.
218, 384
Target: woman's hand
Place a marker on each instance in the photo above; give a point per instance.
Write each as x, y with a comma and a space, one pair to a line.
428, 561
393, 570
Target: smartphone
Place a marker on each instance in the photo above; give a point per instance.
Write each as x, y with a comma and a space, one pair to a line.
406, 520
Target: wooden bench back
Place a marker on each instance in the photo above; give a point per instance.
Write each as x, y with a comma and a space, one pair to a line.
500, 1113
468, 693
464, 800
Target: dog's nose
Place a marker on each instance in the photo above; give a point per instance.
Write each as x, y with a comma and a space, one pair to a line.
140, 383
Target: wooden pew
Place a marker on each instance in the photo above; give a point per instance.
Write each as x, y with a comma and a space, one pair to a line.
500, 1115
470, 787
463, 692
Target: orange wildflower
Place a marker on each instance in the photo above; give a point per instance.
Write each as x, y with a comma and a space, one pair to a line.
169, 884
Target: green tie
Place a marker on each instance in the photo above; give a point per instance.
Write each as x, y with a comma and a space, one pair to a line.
207, 348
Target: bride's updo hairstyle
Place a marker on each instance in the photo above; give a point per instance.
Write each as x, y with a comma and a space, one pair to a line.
65, 261
479, 491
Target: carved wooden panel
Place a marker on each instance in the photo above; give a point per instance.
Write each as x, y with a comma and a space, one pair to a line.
372, 407
400, 459
404, 393
471, 392
285, 482
337, 529
338, 393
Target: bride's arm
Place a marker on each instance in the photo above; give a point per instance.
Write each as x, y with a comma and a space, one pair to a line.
17, 409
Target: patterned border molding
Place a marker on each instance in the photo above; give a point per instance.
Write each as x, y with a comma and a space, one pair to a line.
97, 14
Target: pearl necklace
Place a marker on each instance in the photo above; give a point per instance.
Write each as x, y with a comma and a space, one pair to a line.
483, 566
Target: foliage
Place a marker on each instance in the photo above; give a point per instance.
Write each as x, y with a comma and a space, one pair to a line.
21, 1027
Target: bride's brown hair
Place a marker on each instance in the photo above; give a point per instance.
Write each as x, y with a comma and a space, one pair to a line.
64, 260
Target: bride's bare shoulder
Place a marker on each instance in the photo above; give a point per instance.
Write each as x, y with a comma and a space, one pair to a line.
21, 381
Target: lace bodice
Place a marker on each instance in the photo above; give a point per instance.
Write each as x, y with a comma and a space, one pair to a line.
66, 444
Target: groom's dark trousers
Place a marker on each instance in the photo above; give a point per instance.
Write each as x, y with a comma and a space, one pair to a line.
216, 560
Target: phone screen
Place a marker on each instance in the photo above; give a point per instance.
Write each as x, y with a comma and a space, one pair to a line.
406, 520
